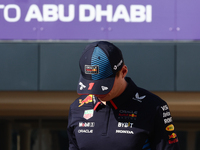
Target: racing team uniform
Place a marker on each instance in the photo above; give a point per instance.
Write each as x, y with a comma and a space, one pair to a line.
136, 120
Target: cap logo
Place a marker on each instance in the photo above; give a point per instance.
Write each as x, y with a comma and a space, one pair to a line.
104, 88
116, 66
82, 86
89, 69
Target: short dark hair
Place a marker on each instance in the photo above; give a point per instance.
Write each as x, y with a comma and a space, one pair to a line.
117, 74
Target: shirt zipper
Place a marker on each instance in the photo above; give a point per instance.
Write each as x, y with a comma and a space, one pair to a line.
106, 117
106, 121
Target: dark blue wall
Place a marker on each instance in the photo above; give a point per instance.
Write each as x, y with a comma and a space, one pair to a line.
54, 66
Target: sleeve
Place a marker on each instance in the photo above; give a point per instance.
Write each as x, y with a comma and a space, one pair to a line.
164, 137
70, 130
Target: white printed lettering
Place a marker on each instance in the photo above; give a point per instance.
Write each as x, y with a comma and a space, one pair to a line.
121, 13
50, 12
124, 131
71, 13
82, 13
107, 13
164, 108
85, 131
166, 114
33, 13
168, 120
17, 10
148, 13
86, 124
125, 124
86, 12
2, 6
137, 13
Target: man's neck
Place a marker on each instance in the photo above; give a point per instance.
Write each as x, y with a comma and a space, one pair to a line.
124, 85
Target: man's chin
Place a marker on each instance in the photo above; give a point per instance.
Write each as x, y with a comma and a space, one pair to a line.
103, 97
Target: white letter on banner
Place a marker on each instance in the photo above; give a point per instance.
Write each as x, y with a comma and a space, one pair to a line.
121, 13
33, 13
137, 13
82, 15
71, 13
148, 13
50, 12
107, 13
6, 13
2, 6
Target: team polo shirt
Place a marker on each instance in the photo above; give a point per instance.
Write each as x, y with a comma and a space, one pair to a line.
136, 120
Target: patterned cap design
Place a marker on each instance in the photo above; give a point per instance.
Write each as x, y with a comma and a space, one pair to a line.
99, 64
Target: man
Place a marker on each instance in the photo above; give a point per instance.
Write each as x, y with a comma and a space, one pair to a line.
112, 113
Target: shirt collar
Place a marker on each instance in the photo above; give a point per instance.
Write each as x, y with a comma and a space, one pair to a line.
127, 94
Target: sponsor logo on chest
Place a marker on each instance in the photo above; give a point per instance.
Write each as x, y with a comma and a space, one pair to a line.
170, 127
173, 141
124, 132
88, 114
86, 124
85, 131
172, 136
87, 100
138, 98
166, 114
125, 124
127, 114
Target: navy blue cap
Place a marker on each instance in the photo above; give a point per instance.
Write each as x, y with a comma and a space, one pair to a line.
99, 63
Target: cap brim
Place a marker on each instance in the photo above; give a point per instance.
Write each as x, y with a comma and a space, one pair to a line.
96, 87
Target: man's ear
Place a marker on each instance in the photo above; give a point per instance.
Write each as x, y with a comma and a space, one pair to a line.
124, 71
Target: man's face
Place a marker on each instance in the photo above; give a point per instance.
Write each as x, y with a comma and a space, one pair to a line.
118, 87
114, 92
